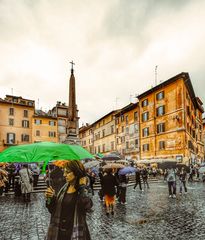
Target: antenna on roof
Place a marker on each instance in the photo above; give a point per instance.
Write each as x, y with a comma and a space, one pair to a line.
38, 103
156, 75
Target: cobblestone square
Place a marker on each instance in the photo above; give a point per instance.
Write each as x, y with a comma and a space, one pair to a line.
147, 215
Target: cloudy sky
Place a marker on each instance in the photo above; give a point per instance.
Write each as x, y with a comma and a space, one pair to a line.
115, 44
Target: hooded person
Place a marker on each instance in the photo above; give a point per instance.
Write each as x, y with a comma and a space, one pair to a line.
69, 207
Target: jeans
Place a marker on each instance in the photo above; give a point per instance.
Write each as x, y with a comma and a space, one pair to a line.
181, 184
172, 188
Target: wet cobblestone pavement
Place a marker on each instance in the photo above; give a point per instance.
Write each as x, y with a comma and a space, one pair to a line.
147, 215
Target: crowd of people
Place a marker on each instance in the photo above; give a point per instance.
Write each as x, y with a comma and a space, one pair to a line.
21, 178
71, 187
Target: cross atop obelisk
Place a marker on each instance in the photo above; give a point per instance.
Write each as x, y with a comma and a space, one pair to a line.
72, 63
73, 119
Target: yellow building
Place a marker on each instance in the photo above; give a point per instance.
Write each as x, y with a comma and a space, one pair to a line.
86, 137
15, 121
127, 131
104, 134
171, 121
44, 127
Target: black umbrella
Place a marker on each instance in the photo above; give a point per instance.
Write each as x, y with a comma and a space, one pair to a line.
111, 157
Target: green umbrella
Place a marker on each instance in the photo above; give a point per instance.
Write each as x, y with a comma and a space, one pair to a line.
43, 152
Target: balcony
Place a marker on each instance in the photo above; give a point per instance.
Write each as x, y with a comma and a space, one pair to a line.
13, 143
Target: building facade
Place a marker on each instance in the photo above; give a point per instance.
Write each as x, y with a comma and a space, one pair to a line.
104, 134
16, 115
60, 111
171, 121
44, 127
127, 131
87, 137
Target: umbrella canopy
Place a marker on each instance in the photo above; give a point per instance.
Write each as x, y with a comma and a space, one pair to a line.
43, 151
111, 157
91, 164
113, 165
122, 161
202, 170
126, 170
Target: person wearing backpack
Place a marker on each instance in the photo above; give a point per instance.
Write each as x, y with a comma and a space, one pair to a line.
171, 180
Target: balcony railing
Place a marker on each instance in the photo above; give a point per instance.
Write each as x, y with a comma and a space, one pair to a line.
6, 143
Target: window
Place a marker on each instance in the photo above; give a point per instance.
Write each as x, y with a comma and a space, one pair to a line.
122, 118
160, 127
103, 133
135, 116
117, 130
112, 129
188, 110
25, 138
10, 138
127, 145
122, 139
145, 132
103, 147
127, 130
160, 95
51, 134
11, 121
122, 129
145, 116
25, 113
161, 111
38, 121
145, 103
126, 119
117, 121
11, 111
38, 134
112, 146
145, 147
25, 124
136, 143
52, 123
30, 103
161, 145
99, 149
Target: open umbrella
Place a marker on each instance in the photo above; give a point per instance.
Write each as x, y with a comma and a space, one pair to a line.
43, 151
127, 170
111, 157
91, 164
113, 165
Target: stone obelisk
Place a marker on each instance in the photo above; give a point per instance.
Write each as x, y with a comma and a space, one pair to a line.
73, 119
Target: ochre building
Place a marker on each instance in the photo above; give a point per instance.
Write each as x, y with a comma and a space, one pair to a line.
171, 121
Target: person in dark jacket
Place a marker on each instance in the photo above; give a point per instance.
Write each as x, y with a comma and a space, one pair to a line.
182, 179
138, 178
123, 188
144, 174
68, 208
109, 188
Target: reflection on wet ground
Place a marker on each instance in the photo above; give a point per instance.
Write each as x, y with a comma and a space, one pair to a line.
147, 215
